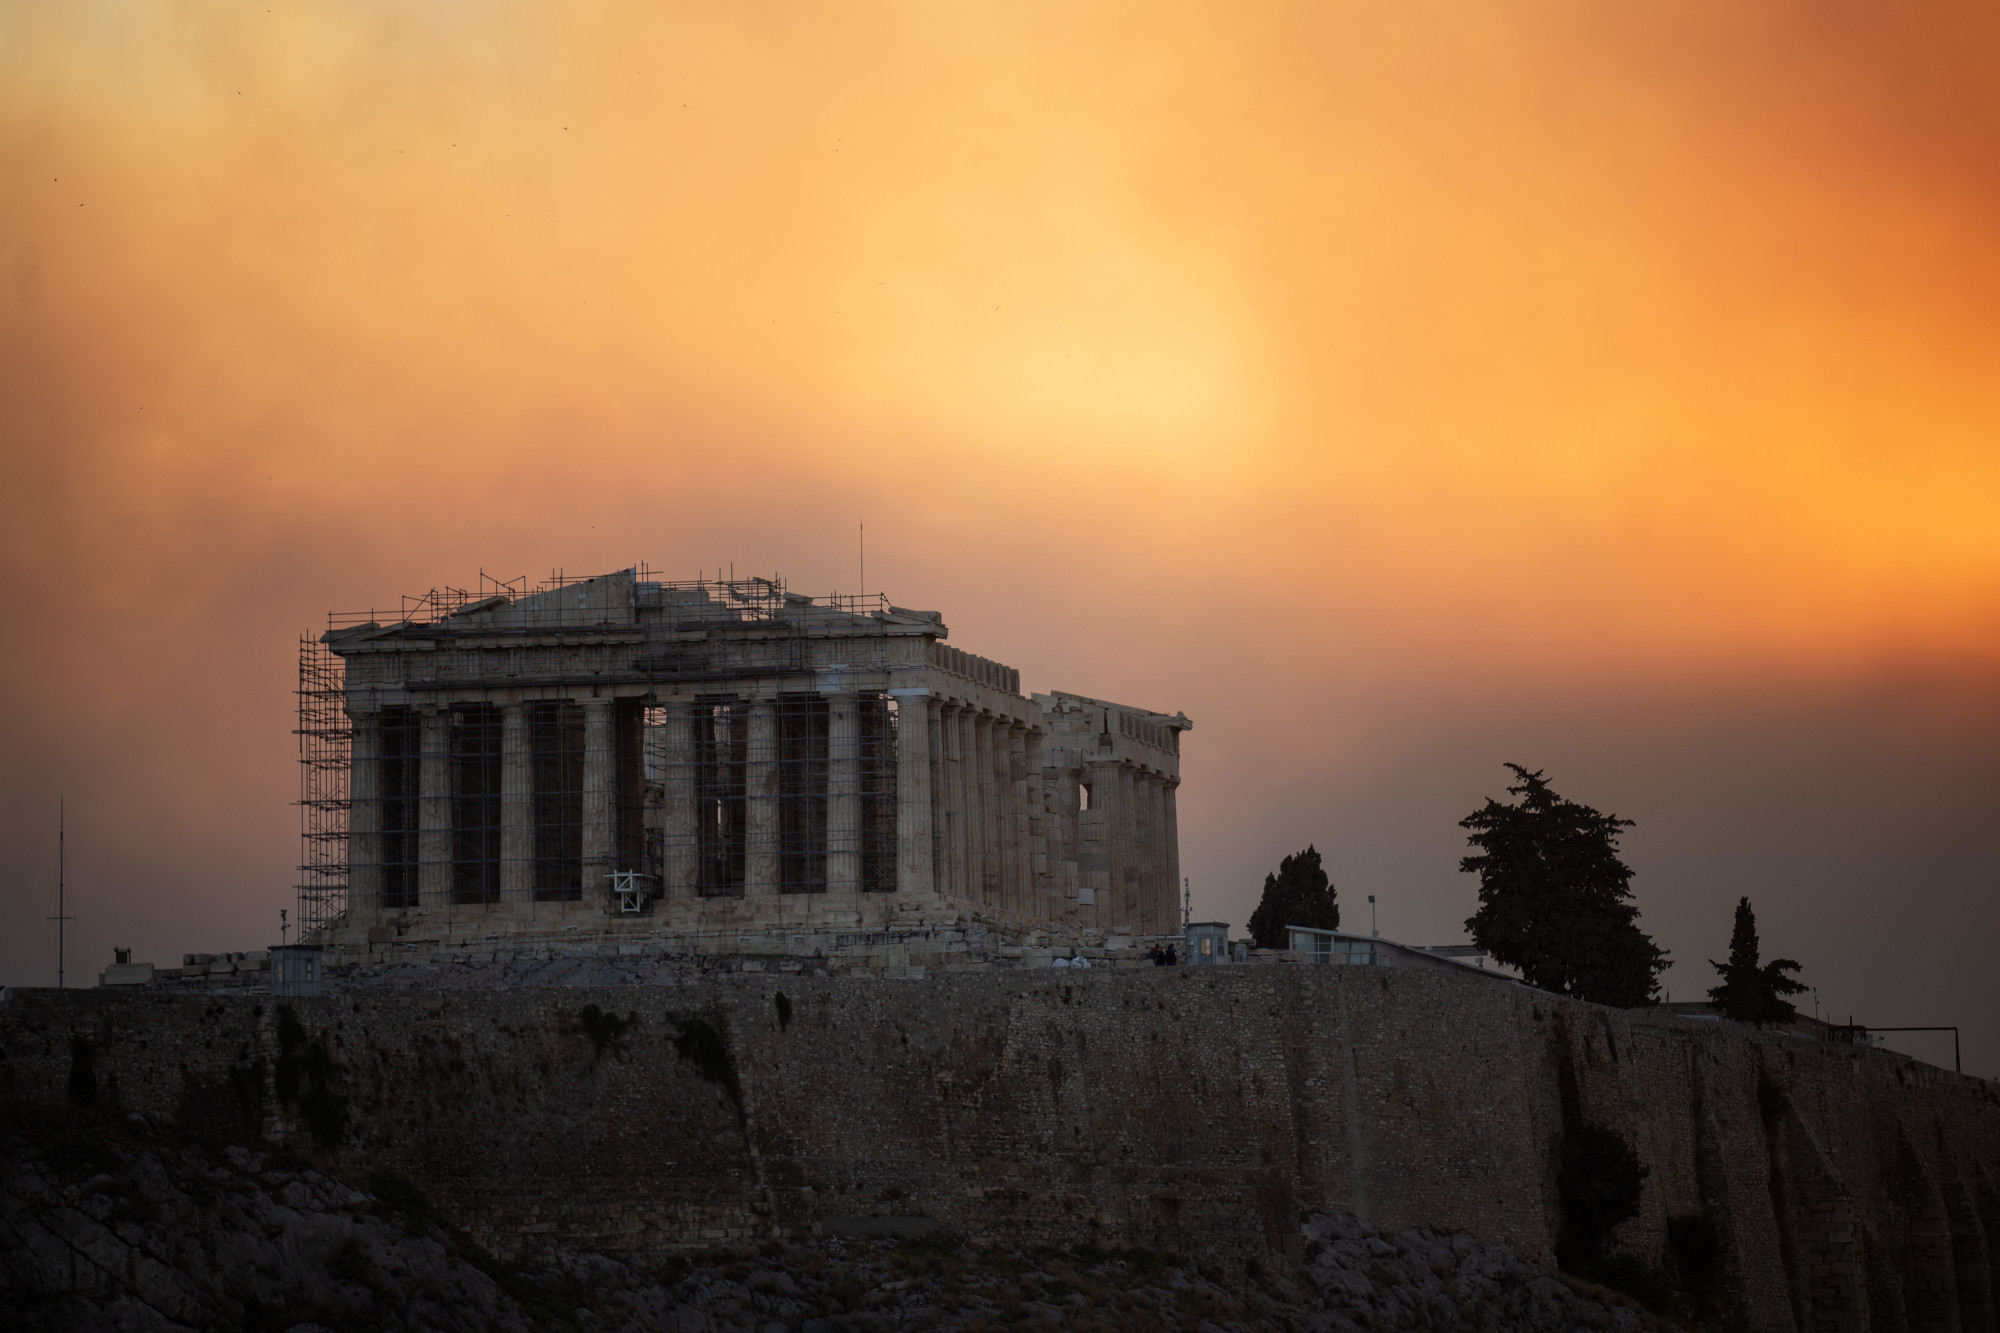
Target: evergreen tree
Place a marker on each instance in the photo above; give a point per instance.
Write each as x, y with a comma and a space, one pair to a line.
1298, 895
1750, 993
1555, 900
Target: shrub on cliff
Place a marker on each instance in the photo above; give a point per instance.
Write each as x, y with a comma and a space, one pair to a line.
1750, 992
1701, 1257
82, 1085
605, 1030
1299, 894
1555, 900
1600, 1182
307, 1076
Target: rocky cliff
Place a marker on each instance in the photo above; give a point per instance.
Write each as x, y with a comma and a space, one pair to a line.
1201, 1112
110, 1222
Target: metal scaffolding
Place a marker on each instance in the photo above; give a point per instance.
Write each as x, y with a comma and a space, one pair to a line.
325, 756
716, 783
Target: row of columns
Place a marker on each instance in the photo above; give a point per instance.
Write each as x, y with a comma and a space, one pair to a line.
987, 797
970, 811
1145, 860
434, 840
678, 818
763, 793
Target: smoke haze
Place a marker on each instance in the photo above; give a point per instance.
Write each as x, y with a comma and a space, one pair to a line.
1398, 390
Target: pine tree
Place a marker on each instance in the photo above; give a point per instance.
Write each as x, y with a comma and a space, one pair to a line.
1298, 895
1751, 993
1555, 900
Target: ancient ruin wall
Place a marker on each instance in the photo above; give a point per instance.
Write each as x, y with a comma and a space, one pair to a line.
1198, 1110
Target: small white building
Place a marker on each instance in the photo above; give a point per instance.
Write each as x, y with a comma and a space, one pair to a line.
1313, 945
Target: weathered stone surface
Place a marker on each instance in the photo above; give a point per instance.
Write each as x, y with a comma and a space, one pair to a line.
620, 752
121, 1227
170, 1235
1202, 1111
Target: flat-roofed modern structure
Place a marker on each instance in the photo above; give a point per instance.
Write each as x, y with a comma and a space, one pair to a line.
713, 755
1350, 948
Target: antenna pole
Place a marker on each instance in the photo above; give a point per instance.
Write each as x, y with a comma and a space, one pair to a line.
863, 547
62, 901
1187, 904
1373, 931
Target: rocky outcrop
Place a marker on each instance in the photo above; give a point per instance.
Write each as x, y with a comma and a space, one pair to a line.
109, 1222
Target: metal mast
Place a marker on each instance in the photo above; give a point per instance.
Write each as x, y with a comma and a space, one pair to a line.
62, 910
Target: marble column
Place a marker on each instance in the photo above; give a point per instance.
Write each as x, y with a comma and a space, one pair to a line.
987, 820
913, 794
517, 807
364, 816
761, 793
952, 790
434, 808
1165, 899
1110, 812
1143, 853
682, 837
599, 800
1039, 849
1170, 833
1131, 861
843, 795
1014, 768
968, 801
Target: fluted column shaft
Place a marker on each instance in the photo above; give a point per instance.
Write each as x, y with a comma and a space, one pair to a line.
364, 815
434, 809
761, 778
843, 796
517, 807
1160, 894
951, 736
1131, 867
988, 818
1014, 769
682, 835
968, 800
1110, 812
599, 793
913, 794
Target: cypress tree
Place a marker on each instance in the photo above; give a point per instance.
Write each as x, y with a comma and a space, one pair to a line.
1299, 894
1752, 992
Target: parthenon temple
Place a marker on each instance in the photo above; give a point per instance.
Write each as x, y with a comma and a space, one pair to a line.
724, 754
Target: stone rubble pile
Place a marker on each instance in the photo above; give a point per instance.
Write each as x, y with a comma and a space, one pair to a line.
1361, 1279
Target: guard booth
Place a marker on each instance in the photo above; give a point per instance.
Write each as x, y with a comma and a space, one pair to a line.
1208, 942
295, 969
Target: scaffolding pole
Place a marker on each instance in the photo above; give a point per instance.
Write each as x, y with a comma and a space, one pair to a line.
325, 741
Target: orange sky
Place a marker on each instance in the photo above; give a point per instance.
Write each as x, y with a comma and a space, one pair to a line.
1426, 368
